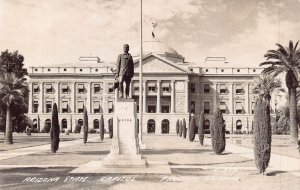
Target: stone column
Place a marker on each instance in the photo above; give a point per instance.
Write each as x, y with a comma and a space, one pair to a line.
30, 105
89, 98
215, 87
172, 96
41, 98
144, 97
186, 96
231, 89
158, 109
130, 89
57, 92
247, 98
74, 97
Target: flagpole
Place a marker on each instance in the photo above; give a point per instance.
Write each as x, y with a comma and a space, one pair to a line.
141, 76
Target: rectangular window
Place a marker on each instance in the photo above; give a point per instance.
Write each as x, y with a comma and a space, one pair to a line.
136, 86
48, 106
238, 89
35, 88
136, 89
49, 88
206, 107
239, 108
223, 89
252, 107
96, 107
223, 107
110, 88
193, 88
65, 88
96, 88
80, 107
165, 87
165, 109
151, 86
80, 88
35, 106
151, 109
64, 107
192, 107
110, 107
206, 88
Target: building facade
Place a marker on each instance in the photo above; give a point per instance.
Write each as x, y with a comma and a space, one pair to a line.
172, 89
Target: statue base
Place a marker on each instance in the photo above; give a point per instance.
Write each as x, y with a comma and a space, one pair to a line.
125, 149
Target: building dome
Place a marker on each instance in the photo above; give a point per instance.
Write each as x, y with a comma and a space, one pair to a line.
157, 47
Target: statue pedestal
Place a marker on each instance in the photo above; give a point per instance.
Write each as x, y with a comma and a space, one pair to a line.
125, 149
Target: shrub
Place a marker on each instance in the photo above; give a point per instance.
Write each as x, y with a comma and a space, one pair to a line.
177, 127
101, 127
110, 128
62, 130
85, 126
180, 128
91, 131
201, 129
192, 127
54, 131
217, 131
47, 128
184, 129
77, 128
69, 131
28, 131
262, 135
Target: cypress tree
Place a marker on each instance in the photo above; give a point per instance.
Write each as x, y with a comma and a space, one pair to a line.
201, 128
180, 128
85, 126
218, 132
177, 127
184, 128
38, 124
101, 127
54, 130
192, 127
110, 128
262, 135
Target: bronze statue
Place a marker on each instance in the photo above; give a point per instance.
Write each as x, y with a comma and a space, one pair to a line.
124, 70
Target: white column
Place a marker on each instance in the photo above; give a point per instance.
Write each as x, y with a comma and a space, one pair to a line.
215, 87
88, 101
172, 96
247, 98
158, 109
30, 98
144, 97
130, 89
41, 98
186, 96
231, 86
57, 91
74, 98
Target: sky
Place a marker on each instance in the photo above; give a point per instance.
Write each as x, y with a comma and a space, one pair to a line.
51, 32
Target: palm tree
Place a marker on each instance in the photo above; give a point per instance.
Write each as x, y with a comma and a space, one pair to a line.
286, 60
12, 91
265, 85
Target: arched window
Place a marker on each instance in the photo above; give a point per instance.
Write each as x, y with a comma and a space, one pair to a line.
239, 125
165, 126
64, 123
80, 122
206, 126
96, 124
151, 126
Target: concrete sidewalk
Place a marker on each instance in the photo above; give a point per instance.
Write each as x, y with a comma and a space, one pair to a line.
277, 161
35, 149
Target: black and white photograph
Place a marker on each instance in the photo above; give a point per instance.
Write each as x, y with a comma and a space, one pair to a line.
149, 94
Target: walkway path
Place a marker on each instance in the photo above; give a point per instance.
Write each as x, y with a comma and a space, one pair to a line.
277, 161
35, 149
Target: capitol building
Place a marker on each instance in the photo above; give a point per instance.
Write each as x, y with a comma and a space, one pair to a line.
172, 89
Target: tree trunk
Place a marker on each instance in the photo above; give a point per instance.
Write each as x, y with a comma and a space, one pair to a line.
293, 116
8, 133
